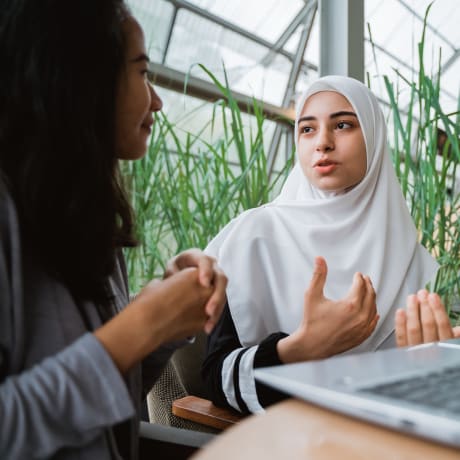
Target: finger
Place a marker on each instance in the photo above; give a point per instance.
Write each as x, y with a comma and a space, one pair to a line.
456, 331
184, 259
429, 328
444, 328
209, 326
170, 269
216, 302
178, 262
315, 289
357, 290
414, 327
193, 258
206, 269
369, 297
401, 328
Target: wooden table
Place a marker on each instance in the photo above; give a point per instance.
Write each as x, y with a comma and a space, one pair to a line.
296, 430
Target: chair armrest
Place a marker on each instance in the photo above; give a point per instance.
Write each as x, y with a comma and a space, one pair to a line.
205, 412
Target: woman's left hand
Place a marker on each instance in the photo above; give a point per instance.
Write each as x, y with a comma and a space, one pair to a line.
425, 320
209, 274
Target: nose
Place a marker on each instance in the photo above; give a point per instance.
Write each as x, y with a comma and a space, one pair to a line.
156, 104
324, 140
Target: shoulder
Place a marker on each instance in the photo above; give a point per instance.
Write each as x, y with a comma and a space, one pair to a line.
249, 225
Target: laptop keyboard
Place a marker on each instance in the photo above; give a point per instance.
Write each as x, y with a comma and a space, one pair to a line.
438, 389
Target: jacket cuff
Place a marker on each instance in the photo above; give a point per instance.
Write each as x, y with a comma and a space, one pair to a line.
267, 354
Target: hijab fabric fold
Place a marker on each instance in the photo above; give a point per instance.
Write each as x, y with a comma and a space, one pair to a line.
268, 252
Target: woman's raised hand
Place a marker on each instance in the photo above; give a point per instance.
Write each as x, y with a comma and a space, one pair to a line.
330, 327
425, 320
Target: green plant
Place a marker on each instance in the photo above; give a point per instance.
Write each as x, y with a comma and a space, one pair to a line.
426, 153
186, 189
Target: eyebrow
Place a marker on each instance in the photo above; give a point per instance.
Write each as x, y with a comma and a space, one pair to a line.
140, 58
341, 113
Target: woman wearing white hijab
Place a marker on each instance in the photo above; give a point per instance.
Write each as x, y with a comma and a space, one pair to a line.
342, 201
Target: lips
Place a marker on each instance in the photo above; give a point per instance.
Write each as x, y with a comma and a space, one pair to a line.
324, 162
325, 166
147, 126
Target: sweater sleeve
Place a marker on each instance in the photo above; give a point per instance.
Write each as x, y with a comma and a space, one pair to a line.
228, 369
66, 400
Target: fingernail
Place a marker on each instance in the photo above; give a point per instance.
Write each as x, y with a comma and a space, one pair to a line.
422, 294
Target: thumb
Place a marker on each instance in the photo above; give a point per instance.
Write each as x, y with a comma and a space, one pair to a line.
318, 280
456, 331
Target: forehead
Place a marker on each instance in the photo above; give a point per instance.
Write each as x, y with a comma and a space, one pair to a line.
325, 102
134, 37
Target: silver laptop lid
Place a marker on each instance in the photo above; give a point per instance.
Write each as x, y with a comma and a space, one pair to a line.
371, 385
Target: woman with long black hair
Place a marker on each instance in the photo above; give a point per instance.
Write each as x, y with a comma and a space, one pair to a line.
74, 98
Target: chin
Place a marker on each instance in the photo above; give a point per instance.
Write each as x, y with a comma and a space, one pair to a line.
133, 154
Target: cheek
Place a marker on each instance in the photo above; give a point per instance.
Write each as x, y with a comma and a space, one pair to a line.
304, 149
363, 158
304, 155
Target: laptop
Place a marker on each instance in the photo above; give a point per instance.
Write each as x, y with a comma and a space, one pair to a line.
415, 390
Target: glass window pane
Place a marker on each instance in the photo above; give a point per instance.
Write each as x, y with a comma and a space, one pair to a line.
155, 18
197, 40
267, 19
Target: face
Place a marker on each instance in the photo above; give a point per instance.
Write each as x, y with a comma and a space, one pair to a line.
136, 98
331, 147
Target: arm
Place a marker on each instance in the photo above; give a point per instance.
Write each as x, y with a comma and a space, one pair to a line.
51, 406
163, 312
70, 399
228, 368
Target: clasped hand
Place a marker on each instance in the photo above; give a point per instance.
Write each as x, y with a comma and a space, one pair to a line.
209, 275
190, 298
192, 278
330, 327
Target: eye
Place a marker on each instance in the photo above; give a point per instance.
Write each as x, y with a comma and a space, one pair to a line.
306, 129
146, 73
344, 125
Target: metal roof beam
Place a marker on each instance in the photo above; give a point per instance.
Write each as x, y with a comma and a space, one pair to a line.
234, 28
291, 28
450, 61
290, 88
196, 87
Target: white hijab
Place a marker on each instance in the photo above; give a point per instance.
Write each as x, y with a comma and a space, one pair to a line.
268, 252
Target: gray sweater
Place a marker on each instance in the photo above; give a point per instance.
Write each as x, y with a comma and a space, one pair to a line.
62, 397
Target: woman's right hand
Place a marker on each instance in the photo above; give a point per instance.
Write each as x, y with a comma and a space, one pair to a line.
164, 311
330, 327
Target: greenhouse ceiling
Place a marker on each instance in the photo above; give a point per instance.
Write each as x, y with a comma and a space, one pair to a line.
270, 49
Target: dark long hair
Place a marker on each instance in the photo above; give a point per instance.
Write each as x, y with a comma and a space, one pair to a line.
59, 68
